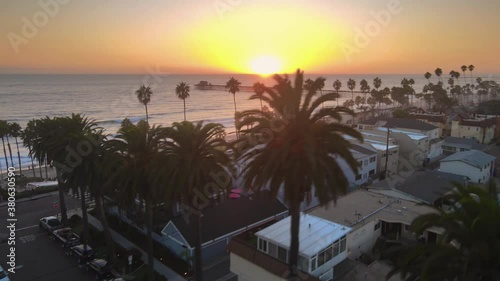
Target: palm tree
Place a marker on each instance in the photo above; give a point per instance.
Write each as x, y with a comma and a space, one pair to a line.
469, 244
309, 85
7, 136
365, 88
48, 142
427, 76
351, 84
139, 150
319, 84
337, 85
464, 68
233, 87
197, 151
15, 132
4, 128
259, 89
438, 73
471, 68
302, 154
182, 92
79, 131
144, 96
27, 136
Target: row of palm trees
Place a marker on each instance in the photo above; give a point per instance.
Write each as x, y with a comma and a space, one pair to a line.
14, 130
171, 164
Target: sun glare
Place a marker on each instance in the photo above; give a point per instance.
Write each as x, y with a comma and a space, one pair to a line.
265, 65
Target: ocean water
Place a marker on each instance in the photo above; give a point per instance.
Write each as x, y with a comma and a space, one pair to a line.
110, 98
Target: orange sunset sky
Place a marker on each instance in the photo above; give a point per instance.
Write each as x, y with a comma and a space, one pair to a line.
248, 36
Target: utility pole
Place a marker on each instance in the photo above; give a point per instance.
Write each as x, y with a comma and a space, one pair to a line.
387, 153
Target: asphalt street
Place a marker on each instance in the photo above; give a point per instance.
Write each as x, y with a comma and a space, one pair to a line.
38, 257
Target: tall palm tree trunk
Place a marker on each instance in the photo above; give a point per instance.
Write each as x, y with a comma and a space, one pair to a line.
19, 159
5, 154
197, 249
40, 167
10, 152
147, 116
99, 205
46, 169
62, 202
184, 100
294, 243
261, 108
32, 162
85, 217
149, 242
234, 101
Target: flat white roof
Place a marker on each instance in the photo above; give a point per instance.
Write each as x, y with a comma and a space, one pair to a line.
381, 146
315, 234
42, 184
412, 135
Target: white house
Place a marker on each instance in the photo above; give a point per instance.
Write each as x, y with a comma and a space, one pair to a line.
367, 161
474, 164
371, 215
322, 245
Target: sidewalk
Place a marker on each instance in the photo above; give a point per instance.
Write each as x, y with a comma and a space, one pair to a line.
26, 199
159, 267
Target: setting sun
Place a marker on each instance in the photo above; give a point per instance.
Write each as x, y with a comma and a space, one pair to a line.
265, 65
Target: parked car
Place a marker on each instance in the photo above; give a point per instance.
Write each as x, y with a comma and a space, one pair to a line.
3, 275
100, 267
50, 224
83, 255
66, 237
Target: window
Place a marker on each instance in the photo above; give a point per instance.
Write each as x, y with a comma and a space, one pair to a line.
358, 177
313, 263
321, 258
407, 227
365, 176
328, 253
360, 163
273, 250
342, 244
371, 172
336, 248
377, 226
372, 159
365, 162
282, 254
477, 129
263, 245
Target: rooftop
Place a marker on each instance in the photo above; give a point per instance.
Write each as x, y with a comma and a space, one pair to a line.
477, 120
229, 216
472, 157
413, 136
430, 117
360, 206
427, 185
465, 143
363, 149
312, 230
405, 123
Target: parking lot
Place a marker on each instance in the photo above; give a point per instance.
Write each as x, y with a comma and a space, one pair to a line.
37, 256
